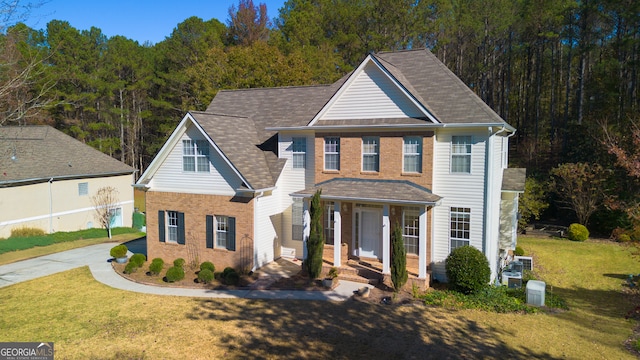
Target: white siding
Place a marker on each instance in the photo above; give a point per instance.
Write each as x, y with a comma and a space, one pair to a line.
457, 190
371, 95
220, 180
265, 231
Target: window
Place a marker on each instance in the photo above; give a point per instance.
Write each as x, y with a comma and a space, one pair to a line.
83, 189
370, 155
221, 231
411, 229
299, 147
460, 222
412, 154
195, 156
461, 154
171, 226
329, 220
332, 153
297, 219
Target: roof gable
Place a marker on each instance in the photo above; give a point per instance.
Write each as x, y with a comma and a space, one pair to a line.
39, 153
372, 92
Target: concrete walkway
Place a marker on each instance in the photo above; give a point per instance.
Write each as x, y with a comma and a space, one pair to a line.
97, 258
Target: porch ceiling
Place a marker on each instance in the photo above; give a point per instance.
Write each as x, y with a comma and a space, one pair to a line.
382, 191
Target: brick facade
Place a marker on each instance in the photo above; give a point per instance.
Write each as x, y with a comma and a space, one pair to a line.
195, 208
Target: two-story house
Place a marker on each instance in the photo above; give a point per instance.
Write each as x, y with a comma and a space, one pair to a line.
398, 141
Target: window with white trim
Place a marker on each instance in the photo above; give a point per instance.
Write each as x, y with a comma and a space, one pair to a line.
297, 219
461, 154
329, 220
83, 189
332, 153
411, 229
460, 227
412, 151
195, 156
172, 226
222, 227
299, 148
370, 153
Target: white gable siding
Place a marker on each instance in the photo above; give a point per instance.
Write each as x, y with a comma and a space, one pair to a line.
265, 232
457, 190
220, 180
372, 95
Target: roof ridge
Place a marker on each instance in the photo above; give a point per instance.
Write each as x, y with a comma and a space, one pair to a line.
276, 88
217, 114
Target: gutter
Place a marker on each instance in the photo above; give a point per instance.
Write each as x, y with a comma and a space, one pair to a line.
386, 201
505, 126
61, 177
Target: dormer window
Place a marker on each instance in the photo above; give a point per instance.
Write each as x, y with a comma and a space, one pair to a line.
195, 156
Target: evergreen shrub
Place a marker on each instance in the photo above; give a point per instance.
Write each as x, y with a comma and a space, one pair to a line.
518, 251
467, 270
175, 273
138, 259
179, 262
208, 265
577, 232
205, 276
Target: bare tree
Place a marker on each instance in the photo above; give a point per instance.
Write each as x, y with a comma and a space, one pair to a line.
579, 187
105, 204
249, 23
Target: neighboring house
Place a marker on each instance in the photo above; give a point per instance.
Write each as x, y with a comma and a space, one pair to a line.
401, 140
47, 179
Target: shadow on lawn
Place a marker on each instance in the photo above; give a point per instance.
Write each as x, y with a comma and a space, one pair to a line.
352, 329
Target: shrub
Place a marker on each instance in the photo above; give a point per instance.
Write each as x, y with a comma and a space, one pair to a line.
624, 238
26, 232
208, 265
156, 266
179, 262
175, 273
333, 273
138, 259
467, 269
131, 267
577, 232
119, 251
230, 276
399, 274
205, 276
518, 251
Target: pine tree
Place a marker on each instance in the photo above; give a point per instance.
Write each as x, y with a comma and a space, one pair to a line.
399, 274
315, 243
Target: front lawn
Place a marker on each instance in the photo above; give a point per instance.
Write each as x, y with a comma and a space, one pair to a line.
87, 319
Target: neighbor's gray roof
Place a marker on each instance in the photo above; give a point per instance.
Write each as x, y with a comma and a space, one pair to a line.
42, 153
513, 179
260, 168
394, 191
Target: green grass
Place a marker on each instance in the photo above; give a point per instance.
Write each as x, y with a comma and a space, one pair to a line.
23, 243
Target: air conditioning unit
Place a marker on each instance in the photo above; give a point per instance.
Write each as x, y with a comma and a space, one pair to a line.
536, 292
512, 279
527, 262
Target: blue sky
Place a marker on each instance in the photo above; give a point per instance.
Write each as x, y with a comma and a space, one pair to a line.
140, 20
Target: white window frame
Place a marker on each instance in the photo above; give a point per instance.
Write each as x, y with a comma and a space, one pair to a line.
221, 229
195, 156
332, 151
299, 152
412, 149
83, 189
411, 229
459, 234
367, 152
461, 148
171, 224
297, 219
329, 223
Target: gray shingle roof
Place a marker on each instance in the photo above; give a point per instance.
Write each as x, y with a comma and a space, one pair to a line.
394, 191
513, 179
42, 152
260, 168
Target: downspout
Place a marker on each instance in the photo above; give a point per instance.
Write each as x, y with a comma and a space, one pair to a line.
50, 207
255, 222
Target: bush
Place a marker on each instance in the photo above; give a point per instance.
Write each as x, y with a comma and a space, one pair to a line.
179, 262
119, 251
399, 274
577, 232
175, 273
156, 266
205, 276
467, 270
138, 259
26, 232
624, 238
518, 251
131, 267
230, 276
208, 265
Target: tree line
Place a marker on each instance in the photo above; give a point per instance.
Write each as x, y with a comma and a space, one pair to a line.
563, 72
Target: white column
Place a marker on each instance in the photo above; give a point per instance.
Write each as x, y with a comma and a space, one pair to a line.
337, 232
422, 244
306, 227
386, 241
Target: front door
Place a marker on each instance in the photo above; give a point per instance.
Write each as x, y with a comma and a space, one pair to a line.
370, 227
